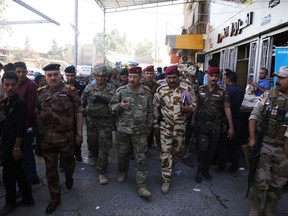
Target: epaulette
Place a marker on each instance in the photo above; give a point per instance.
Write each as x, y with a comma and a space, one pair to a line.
121, 87
41, 88
147, 88
202, 86
160, 87
70, 87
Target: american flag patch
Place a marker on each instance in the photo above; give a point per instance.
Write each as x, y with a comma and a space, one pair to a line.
261, 97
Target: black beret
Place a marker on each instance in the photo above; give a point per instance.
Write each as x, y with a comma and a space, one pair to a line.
51, 67
70, 69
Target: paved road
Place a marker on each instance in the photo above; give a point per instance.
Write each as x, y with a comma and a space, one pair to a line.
224, 195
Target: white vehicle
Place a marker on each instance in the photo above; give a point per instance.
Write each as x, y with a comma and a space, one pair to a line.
84, 70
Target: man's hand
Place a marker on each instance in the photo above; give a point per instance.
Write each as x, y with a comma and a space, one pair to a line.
230, 133
124, 104
17, 154
251, 143
185, 109
79, 139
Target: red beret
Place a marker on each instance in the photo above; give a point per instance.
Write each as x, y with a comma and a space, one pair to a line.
171, 70
135, 70
213, 70
149, 68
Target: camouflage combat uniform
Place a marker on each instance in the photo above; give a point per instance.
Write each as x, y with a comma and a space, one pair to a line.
99, 122
56, 117
210, 111
272, 172
172, 122
133, 126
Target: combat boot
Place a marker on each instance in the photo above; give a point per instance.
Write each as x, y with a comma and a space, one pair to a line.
93, 161
272, 197
165, 187
206, 174
255, 198
143, 192
102, 179
122, 177
69, 182
198, 177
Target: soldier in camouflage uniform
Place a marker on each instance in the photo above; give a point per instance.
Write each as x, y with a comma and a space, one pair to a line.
171, 117
150, 82
190, 79
99, 120
272, 172
132, 106
58, 105
212, 100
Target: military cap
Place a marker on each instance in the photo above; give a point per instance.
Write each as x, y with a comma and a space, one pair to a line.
173, 69
100, 70
70, 69
51, 67
213, 70
149, 68
135, 70
283, 72
123, 71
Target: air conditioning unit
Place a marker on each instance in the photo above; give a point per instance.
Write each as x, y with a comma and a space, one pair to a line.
185, 58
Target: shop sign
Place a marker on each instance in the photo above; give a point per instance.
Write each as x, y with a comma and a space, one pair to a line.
235, 28
281, 59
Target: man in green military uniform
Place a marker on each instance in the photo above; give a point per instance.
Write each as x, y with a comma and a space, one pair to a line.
99, 120
212, 101
59, 106
272, 171
171, 111
132, 106
123, 76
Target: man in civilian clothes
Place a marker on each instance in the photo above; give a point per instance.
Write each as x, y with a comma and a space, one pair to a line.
28, 90
13, 112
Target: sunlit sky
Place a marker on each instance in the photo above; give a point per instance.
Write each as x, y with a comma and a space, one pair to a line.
137, 24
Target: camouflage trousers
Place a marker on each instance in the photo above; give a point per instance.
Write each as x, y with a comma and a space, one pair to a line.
272, 168
140, 146
51, 152
172, 145
208, 136
99, 141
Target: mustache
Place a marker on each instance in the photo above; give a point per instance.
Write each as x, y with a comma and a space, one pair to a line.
277, 84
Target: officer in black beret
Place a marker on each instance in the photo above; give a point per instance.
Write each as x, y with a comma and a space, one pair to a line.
70, 74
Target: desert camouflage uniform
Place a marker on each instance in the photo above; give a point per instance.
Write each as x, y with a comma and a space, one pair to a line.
272, 171
172, 122
133, 126
210, 111
56, 117
99, 121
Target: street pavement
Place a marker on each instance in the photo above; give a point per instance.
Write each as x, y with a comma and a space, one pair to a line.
224, 195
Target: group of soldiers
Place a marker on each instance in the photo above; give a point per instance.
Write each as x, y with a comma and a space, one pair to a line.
138, 108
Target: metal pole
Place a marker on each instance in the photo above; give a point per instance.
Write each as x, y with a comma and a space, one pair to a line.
76, 34
104, 39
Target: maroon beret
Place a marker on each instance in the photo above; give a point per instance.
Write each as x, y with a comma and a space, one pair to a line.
135, 70
171, 70
213, 70
149, 68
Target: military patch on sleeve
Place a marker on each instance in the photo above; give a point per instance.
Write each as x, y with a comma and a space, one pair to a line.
71, 87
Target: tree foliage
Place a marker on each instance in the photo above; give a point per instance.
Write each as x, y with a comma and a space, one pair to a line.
144, 48
114, 41
56, 52
3, 28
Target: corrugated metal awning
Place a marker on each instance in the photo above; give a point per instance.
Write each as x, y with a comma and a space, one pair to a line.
110, 6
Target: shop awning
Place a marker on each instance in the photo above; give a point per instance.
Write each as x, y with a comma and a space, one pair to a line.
189, 41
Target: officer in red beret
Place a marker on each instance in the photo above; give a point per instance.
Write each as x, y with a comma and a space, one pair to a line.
132, 106
173, 103
212, 101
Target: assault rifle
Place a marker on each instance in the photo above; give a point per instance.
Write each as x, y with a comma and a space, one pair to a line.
255, 155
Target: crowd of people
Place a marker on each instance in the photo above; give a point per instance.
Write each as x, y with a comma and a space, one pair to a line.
179, 109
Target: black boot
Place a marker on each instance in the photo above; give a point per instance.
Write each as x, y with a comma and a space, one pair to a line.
206, 174
198, 177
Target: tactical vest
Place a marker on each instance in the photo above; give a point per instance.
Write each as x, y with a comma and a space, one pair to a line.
276, 114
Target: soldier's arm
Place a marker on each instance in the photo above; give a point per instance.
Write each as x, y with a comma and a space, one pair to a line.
150, 112
79, 127
115, 104
156, 110
286, 147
